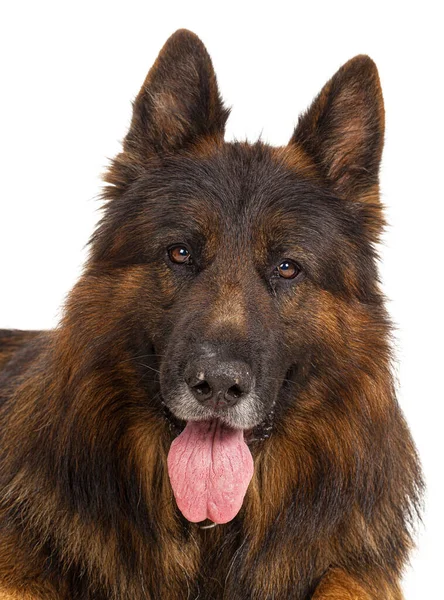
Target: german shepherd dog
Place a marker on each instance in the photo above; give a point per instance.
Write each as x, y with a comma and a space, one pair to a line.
215, 415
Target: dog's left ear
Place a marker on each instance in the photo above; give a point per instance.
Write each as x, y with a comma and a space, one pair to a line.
343, 130
179, 102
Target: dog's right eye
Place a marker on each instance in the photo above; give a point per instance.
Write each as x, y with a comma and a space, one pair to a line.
179, 255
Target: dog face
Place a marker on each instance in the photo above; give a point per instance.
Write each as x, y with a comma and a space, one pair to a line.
251, 253
226, 282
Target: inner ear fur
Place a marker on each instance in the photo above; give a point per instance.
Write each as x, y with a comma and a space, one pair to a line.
343, 130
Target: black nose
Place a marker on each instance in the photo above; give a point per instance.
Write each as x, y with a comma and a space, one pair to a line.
218, 384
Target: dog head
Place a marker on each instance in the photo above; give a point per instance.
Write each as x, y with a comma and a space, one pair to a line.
258, 262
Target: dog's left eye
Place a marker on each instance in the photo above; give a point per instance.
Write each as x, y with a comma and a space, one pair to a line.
179, 255
288, 269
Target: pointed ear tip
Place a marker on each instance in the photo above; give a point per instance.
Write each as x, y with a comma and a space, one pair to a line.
361, 64
181, 36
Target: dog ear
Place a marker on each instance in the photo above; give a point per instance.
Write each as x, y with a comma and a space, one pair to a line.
179, 102
343, 130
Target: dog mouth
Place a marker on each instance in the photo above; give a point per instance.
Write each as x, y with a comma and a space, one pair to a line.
210, 462
210, 466
258, 433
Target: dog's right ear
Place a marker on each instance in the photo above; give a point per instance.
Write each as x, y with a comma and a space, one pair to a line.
179, 101
178, 105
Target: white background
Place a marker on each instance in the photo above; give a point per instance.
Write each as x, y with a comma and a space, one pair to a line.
68, 74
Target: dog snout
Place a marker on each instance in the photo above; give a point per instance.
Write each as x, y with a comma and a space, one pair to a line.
218, 384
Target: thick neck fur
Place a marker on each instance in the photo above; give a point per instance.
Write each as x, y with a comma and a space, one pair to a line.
90, 478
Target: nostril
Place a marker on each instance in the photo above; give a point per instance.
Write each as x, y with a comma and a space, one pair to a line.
234, 392
202, 388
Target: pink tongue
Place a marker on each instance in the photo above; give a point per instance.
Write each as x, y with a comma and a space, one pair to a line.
210, 467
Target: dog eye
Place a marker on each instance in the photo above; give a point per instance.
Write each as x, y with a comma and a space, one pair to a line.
288, 269
179, 255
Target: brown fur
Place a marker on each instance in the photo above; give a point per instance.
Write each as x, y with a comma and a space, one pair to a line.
86, 507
